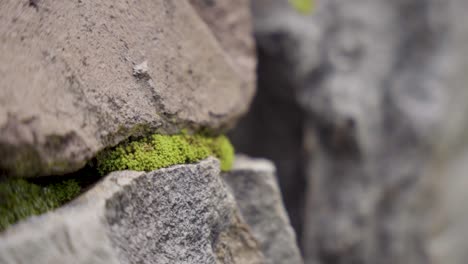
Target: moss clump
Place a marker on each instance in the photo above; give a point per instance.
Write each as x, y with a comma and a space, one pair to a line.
303, 6
20, 199
159, 151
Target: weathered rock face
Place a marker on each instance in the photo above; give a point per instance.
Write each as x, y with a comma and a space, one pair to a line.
182, 214
379, 90
79, 76
254, 185
231, 24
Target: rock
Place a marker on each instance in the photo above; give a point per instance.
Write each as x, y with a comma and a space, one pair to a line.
69, 87
257, 193
141, 70
181, 214
231, 23
379, 91
274, 127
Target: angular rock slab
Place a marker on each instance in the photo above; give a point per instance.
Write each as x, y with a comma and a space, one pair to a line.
78, 76
256, 190
182, 214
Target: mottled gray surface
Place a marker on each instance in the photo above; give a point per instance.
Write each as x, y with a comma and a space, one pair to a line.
182, 214
173, 215
256, 190
381, 88
68, 86
449, 169
72, 236
76, 233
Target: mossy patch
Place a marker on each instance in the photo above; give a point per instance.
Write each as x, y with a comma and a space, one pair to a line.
20, 199
303, 6
160, 151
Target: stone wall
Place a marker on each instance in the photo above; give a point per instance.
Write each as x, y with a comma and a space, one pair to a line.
359, 104
78, 78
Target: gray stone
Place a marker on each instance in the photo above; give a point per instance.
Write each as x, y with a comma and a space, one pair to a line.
256, 190
181, 214
375, 95
76, 233
449, 219
274, 127
68, 87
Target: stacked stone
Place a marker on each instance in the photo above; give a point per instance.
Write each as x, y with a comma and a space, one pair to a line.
78, 77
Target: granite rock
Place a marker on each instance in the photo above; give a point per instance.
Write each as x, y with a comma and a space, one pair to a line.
255, 188
181, 214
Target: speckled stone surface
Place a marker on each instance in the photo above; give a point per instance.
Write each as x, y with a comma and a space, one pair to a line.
181, 214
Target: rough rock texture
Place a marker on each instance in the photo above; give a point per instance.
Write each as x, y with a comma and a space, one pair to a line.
185, 213
379, 91
231, 24
77, 76
256, 190
76, 233
182, 214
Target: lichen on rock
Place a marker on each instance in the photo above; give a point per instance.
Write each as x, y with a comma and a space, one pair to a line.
159, 151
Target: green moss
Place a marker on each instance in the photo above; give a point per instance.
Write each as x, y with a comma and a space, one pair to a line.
303, 6
159, 151
20, 199
223, 149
